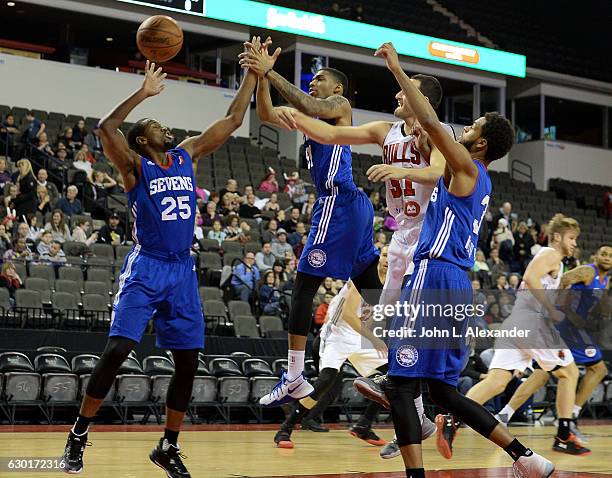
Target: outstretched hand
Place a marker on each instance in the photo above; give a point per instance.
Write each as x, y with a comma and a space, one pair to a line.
423, 144
389, 53
153, 81
384, 172
257, 58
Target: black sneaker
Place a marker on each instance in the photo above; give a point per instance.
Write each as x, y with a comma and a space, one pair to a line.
313, 426
169, 458
447, 429
571, 446
72, 459
283, 438
373, 389
365, 433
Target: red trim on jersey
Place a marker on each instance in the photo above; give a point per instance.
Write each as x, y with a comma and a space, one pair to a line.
170, 160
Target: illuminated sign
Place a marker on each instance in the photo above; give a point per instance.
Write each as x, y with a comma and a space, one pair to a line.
272, 17
193, 7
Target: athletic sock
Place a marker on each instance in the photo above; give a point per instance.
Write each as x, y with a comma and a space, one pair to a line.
576, 411
418, 403
415, 472
564, 428
81, 425
171, 436
296, 364
516, 450
508, 411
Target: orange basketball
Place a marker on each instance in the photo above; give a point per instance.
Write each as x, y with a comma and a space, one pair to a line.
159, 38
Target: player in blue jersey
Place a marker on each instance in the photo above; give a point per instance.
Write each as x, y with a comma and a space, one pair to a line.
158, 280
444, 254
340, 242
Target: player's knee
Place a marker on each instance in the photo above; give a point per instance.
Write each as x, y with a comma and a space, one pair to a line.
568, 372
116, 351
599, 369
185, 363
326, 378
441, 393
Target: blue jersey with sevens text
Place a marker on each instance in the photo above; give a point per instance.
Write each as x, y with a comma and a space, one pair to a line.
451, 226
330, 167
163, 203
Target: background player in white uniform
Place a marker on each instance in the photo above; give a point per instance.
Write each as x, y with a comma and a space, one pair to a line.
535, 312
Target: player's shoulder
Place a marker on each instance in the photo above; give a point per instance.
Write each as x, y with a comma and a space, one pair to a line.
449, 129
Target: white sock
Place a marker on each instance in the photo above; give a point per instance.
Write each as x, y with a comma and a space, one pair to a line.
418, 403
576, 411
508, 410
296, 364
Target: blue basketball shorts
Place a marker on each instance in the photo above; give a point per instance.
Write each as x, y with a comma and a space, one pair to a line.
435, 305
584, 348
340, 243
165, 290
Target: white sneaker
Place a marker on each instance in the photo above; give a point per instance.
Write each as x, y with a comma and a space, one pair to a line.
390, 450
532, 466
285, 391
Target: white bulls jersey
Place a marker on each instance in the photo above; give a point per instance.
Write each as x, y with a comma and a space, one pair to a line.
526, 301
335, 323
406, 201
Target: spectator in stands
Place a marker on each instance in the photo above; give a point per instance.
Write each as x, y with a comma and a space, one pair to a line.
248, 189
5, 240
501, 282
523, 243
479, 295
61, 164
248, 210
5, 177
245, 227
43, 200
376, 201
272, 203
307, 207
265, 259
290, 224
79, 132
44, 147
229, 204
36, 228
321, 312
296, 188
20, 251
8, 200
112, 233
210, 215
269, 295
543, 235
474, 371
496, 265
25, 202
81, 163
269, 234
214, 197
231, 186
503, 240
46, 238
79, 234
23, 232
95, 195
93, 142
295, 237
9, 279
34, 129
506, 213
88, 154
480, 264
280, 216
514, 282
281, 249
327, 286
55, 255
70, 204
216, 233
67, 139
232, 229
505, 303
41, 179
8, 132
269, 183
299, 248
245, 277
380, 240
58, 226
198, 231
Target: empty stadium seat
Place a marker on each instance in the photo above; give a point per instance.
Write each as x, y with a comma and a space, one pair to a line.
84, 363
133, 388
84, 381
238, 307
269, 323
204, 389
157, 365
210, 293
130, 366
15, 362
224, 367
233, 390
245, 326
50, 362
256, 367
278, 365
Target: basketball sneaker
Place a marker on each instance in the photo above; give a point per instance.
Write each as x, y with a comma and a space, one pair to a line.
532, 466
365, 433
576, 431
373, 388
391, 449
169, 458
571, 446
313, 425
72, 459
502, 418
428, 428
446, 431
285, 391
283, 437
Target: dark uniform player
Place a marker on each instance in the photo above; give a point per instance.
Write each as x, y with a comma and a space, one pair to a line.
340, 241
445, 252
158, 279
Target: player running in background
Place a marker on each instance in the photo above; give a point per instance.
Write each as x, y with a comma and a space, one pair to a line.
444, 254
158, 279
340, 242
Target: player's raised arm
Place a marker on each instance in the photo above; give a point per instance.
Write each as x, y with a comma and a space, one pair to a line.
115, 145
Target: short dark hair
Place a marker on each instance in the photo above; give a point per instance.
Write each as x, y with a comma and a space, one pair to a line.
339, 77
601, 246
138, 129
499, 133
430, 87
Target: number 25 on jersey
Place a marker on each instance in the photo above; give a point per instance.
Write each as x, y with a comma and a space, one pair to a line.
171, 204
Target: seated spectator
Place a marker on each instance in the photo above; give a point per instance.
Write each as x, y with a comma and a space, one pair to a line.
321, 311
58, 227
5, 240
269, 295
480, 264
501, 282
70, 205
505, 304
25, 202
326, 286
79, 234
299, 248
496, 265
231, 186
210, 215
269, 183
8, 200
607, 204
43, 146
43, 200
229, 204
80, 162
41, 179
96, 193
93, 141
8, 133
281, 249
216, 233
474, 371
296, 188
36, 229
514, 282
280, 216
248, 210
503, 239
5, 177
55, 255
23, 232
295, 237
198, 232
9, 279
232, 229
523, 242
307, 207
479, 295
290, 224
66, 138
265, 259
79, 132
269, 234
248, 189
112, 233
376, 201
272, 204
245, 277
380, 240
20, 251
46, 238
246, 231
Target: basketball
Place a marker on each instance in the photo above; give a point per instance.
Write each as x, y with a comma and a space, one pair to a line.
159, 38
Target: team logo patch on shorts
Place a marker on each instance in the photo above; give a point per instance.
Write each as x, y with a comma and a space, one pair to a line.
590, 352
407, 356
317, 258
561, 354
